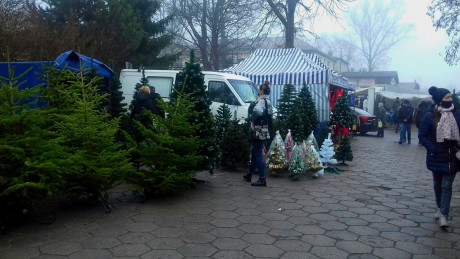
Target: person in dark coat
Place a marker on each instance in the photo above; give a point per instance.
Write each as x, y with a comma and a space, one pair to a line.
143, 101
421, 110
439, 134
157, 100
405, 119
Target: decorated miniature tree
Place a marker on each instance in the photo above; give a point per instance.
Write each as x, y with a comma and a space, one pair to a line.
288, 145
285, 107
190, 81
341, 117
313, 163
344, 152
327, 151
276, 155
297, 162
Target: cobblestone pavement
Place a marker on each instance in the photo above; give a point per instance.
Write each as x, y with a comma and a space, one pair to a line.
382, 206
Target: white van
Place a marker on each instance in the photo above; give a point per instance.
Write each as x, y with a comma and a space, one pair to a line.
234, 90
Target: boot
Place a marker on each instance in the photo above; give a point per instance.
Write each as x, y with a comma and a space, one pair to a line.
260, 182
437, 215
247, 177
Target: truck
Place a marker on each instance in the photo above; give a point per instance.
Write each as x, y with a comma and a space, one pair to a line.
236, 91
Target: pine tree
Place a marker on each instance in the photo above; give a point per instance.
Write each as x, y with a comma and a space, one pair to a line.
285, 107
308, 108
191, 81
116, 105
344, 152
342, 115
297, 124
170, 151
94, 160
29, 171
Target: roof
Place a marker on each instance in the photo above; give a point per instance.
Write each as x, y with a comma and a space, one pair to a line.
374, 74
285, 66
75, 61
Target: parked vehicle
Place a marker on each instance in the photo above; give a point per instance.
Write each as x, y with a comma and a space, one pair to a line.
366, 122
236, 91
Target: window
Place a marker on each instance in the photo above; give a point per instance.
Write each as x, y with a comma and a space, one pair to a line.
219, 92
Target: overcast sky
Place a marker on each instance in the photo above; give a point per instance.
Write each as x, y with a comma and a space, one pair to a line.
420, 56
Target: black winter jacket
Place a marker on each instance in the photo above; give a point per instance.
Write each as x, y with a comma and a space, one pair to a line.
143, 101
440, 156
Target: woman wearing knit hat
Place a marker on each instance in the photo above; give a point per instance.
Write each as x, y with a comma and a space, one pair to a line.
439, 134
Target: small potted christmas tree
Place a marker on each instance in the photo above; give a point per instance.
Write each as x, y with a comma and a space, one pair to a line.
344, 151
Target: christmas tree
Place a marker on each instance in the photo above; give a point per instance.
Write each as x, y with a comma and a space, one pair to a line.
308, 109
285, 107
232, 138
297, 162
191, 81
94, 160
327, 151
344, 151
298, 123
276, 155
115, 100
341, 117
169, 153
313, 162
288, 145
29, 172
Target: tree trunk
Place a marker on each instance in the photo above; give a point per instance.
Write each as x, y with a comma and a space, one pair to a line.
289, 27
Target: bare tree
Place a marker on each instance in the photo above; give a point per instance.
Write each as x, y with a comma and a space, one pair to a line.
293, 13
445, 15
378, 28
215, 27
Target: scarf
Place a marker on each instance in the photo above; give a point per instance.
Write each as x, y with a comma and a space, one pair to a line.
447, 126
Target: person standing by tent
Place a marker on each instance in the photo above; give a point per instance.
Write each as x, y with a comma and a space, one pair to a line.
263, 110
396, 107
381, 118
439, 134
405, 119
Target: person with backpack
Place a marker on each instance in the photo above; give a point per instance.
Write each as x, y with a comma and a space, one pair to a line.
439, 134
261, 119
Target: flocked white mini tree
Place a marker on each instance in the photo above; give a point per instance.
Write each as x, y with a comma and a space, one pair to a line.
327, 153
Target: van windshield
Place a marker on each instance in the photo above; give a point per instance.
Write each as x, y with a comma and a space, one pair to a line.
245, 89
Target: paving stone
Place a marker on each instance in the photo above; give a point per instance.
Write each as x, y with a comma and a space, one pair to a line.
225, 223
384, 227
342, 235
248, 211
309, 229
298, 255
135, 237
446, 252
252, 219
259, 250
328, 252
92, 253
253, 228
362, 211
387, 252
204, 250
332, 225
414, 231
20, 252
145, 217
230, 244
352, 204
373, 218
376, 241
198, 227
293, 245
353, 221
61, 248
315, 210
284, 233
168, 232
278, 224
433, 242
109, 231
301, 220
343, 214
142, 227
162, 254
363, 256
224, 215
363, 230
100, 242
196, 218
227, 232
197, 237
398, 236
165, 243
44, 256
130, 250
232, 255
353, 247
273, 216
402, 222
389, 214
318, 240
413, 248
322, 217
259, 239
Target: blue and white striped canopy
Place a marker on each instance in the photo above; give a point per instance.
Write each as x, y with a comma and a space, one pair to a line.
282, 66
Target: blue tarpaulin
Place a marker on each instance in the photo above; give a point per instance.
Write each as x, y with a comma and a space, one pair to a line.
76, 61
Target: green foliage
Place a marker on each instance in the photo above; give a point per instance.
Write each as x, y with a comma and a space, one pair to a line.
308, 108
296, 123
29, 171
232, 139
444, 14
285, 107
169, 153
115, 101
94, 160
342, 115
190, 81
344, 152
